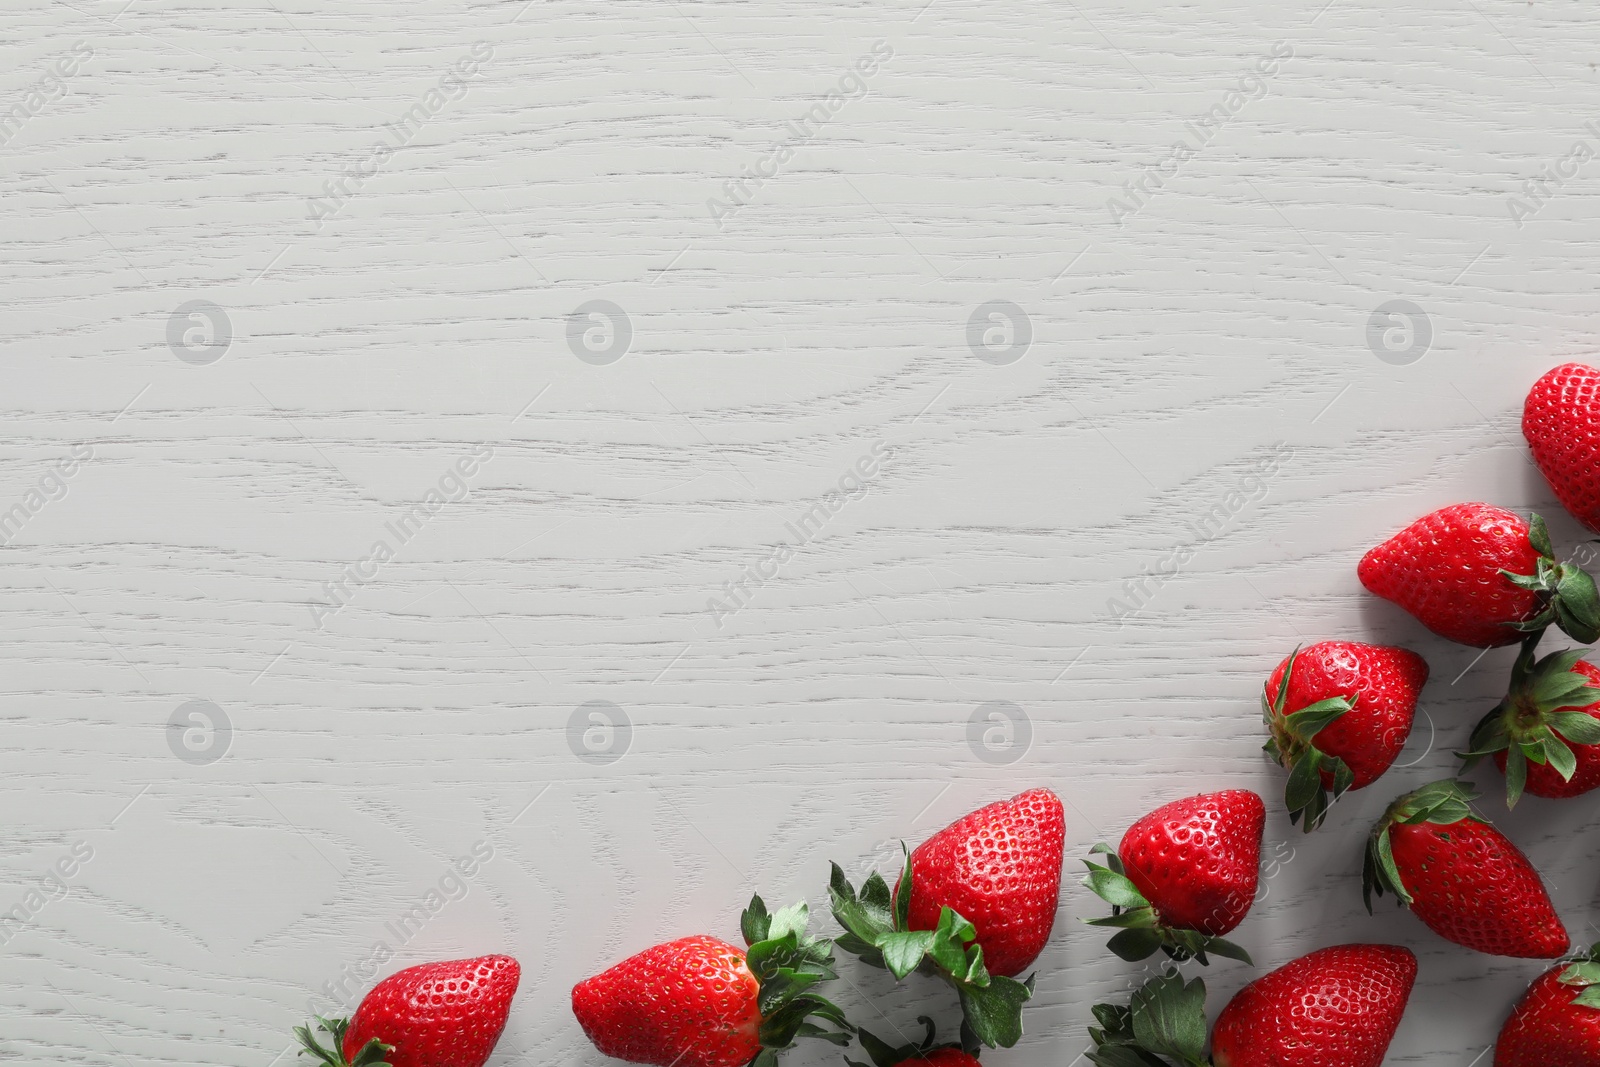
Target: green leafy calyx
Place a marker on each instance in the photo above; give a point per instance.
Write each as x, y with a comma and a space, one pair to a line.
373, 1054
1567, 595
1164, 1023
1583, 974
1292, 744
1540, 718
1442, 803
1141, 932
787, 963
877, 930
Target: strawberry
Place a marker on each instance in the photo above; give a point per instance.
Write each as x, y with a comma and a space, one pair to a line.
1339, 713
701, 1002
1461, 876
1561, 420
975, 903
1000, 868
1479, 575
926, 1051
1336, 1006
1557, 1023
1545, 735
1183, 876
434, 1015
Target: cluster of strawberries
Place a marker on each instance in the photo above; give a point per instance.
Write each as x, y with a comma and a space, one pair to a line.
975, 904
1338, 713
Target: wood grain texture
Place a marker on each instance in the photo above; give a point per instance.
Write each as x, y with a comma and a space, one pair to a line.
828, 718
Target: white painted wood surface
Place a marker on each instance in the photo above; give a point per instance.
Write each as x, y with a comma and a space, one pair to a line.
371, 747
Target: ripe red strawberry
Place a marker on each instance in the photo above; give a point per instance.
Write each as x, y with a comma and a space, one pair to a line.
692, 999
1479, 575
701, 1002
975, 904
1183, 876
1337, 1007
434, 1015
926, 1051
1557, 1023
1339, 713
1561, 420
1545, 735
1461, 876
1000, 869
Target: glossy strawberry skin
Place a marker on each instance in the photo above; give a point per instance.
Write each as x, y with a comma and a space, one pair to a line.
1337, 1006
1561, 420
1197, 860
1385, 683
1472, 886
446, 1014
1000, 868
690, 1002
1543, 779
1546, 1029
1445, 570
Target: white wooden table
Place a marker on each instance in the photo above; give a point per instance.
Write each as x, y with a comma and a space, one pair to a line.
273, 341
